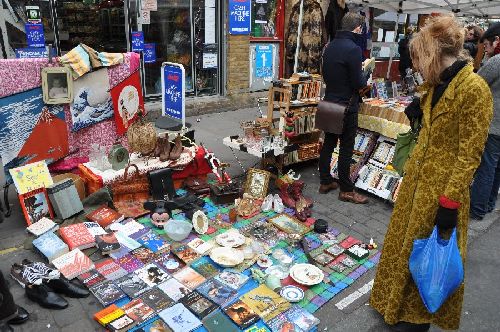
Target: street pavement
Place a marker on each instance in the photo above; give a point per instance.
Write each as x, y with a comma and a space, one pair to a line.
348, 311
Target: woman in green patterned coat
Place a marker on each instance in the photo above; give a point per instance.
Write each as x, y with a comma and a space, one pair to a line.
456, 109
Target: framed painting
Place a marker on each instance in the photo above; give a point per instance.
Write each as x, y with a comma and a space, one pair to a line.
257, 183
57, 85
289, 224
35, 205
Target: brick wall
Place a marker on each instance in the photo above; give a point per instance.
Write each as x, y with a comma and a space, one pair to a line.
238, 67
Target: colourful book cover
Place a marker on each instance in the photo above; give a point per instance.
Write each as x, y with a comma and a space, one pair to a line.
130, 226
126, 241
189, 277
105, 216
42, 226
129, 263
174, 289
241, 314
152, 274
205, 267
280, 323
232, 278
138, 310
73, 264
132, 285
301, 318
107, 243
77, 236
108, 314
179, 318
185, 254
217, 292
122, 324
91, 278
110, 269
169, 262
265, 302
153, 241
257, 327
107, 293
219, 322
143, 254
94, 228
51, 246
156, 299
198, 304
158, 325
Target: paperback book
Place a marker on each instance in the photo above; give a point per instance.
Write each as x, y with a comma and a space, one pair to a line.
219, 322
198, 304
72, 264
143, 254
107, 293
206, 267
265, 302
42, 226
132, 285
108, 314
94, 228
174, 289
110, 269
156, 299
77, 236
50, 246
139, 311
107, 243
153, 242
91, 278
129, 263
232, 278
217, 292
180, 319
185, 254
105, 216
189, 277
122, 324
241, 314
169, 262
152, 275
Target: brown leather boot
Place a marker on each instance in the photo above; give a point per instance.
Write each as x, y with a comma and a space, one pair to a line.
285, 192
166, 152
177, 149
326, 188
352, 197
160, 144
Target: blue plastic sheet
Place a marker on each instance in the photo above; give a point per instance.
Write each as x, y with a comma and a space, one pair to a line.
437, 269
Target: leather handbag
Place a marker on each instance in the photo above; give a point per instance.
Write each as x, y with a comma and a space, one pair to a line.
330, 116
162, 185
405, 143
197, 186
130, 193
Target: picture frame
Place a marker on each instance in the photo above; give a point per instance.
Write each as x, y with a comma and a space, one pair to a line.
257, 183
57, 85
289, 224
36, 205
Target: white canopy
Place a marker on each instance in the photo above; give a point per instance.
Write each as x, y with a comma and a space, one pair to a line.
481, 8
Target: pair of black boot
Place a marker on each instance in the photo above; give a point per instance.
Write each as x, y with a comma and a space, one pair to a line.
10, 313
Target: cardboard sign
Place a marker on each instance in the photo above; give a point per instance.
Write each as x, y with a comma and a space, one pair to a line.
263, 61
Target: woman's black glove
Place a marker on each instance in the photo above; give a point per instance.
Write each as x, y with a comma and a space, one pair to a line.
413, 109
446, 218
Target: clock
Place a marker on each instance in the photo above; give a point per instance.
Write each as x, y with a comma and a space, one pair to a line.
118, 156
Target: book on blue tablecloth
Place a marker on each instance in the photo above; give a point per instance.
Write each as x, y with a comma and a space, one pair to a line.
50, 246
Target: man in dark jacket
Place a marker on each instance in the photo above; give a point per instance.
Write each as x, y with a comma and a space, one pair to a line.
343, 75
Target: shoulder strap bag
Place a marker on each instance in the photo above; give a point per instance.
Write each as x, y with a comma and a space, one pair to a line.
330, 116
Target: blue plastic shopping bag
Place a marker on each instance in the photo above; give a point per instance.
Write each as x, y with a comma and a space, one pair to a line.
437, 269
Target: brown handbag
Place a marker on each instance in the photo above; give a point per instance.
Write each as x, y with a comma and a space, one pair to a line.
130, 192
330, 116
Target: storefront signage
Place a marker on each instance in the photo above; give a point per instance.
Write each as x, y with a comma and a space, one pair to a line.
173, 78
150, 53
137, 41
145, 17
239, 17
34, 35
33, 52
209, 60
33, 14
149, 5
263, 61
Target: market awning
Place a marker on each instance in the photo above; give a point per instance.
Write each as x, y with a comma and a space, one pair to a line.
481, 8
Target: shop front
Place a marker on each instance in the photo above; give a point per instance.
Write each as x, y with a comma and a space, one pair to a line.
180, 31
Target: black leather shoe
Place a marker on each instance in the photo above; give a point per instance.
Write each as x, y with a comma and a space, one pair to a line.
45, 297
411, 327
64, 286
22, 316
4, 327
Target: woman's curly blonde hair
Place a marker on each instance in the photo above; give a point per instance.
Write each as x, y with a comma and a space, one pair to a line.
440, 37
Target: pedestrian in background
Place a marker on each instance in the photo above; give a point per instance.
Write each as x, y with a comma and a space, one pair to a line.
404, 53
484, 191
472, 38
343, 75
457, 108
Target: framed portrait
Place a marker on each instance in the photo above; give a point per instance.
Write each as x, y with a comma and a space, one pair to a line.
35, 205
257, 183
289, 224
57, 85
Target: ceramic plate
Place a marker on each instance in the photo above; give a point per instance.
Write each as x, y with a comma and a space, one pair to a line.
306, 274
227, 257
292, 293
230, 239
200, 222
264, 261
277, 271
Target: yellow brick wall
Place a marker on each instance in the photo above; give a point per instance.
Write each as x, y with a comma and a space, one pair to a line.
238, 66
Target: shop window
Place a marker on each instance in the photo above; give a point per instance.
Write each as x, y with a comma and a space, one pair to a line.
98, 24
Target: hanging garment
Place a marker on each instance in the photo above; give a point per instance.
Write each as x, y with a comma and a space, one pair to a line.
312, 40
334, 15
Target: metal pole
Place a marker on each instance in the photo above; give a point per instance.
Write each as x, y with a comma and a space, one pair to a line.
299, 34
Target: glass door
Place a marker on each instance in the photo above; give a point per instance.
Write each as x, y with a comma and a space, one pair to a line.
170, 30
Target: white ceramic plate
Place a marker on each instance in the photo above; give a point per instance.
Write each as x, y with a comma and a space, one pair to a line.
230, 239
264, 261
227, 257
277, 271
200, 222
306, 274
292, 293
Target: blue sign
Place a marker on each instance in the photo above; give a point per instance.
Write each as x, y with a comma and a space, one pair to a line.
239, 17
150, 53
33, 52
263, 61
137, 41
173, 79
34, 35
